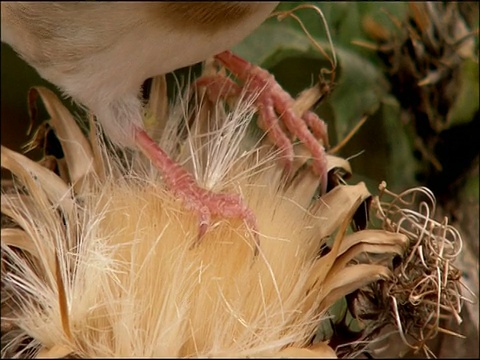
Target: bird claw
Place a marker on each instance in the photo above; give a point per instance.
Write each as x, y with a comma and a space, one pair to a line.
203, 224
271, 100
230, 206
203, 202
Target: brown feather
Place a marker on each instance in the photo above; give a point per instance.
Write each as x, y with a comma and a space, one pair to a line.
205, 16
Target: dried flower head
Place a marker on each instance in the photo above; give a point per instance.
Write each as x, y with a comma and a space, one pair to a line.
100, 262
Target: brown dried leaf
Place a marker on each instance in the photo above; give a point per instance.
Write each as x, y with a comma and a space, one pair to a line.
19, 239
157, 106
62, 299
319, 350
350, 279
75, 145
335, 162
374, 237
43, 185
10, 205
335, 206
56, 352
325, 263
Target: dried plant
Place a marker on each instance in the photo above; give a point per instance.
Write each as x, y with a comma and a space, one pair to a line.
431, 61
426, 286
100, 261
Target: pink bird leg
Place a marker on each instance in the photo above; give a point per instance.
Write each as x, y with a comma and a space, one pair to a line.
203, 202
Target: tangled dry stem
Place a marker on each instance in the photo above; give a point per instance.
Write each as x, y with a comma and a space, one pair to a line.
426, 287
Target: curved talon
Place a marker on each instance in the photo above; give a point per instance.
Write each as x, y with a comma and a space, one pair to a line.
203, 202
256, 236
223, 205
203, 224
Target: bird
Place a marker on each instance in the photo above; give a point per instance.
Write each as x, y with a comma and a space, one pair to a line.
100, 53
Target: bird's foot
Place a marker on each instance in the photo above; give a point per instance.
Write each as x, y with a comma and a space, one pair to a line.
271, 99
204, 203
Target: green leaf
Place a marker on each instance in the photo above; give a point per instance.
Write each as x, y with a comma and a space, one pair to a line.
271, 40
467, 99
